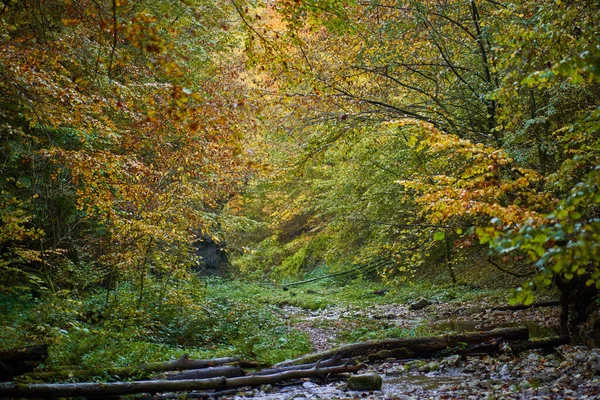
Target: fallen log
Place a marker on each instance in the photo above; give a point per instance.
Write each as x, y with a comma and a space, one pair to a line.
194, 395
540, 344
325, 363
227, 371
410, 347
45, 390
31, 353
372, 264
15, 362
182, 363
516, 307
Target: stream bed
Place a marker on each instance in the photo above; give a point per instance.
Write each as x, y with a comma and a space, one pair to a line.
567, 373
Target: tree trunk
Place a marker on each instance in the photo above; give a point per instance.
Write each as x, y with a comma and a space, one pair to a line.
411, 347
577, 305
123, 388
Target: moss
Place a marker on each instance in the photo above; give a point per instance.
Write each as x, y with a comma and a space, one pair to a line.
365, 382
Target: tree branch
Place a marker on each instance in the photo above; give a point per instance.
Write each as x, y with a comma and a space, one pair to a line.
518, 275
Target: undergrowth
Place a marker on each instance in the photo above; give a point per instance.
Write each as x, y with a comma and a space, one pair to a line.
202, 317
192, 317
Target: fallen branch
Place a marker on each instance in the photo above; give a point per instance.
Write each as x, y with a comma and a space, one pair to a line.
194, 395
517, 307
227, 371
368, 265
540, 344
31, 353
516, 274
326, 363
182, 363
123, 388
411, 347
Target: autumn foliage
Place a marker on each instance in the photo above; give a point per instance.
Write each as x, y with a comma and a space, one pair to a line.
120, 134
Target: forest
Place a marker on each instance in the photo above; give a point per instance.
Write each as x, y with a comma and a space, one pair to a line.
385, 199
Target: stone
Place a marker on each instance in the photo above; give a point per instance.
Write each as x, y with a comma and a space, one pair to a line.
524, 385
419, 304
267, 388
415, 364
451, 361
365, 382
297, 396
309, 385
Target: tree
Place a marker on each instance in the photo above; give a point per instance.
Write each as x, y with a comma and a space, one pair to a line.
121, 132
497, 103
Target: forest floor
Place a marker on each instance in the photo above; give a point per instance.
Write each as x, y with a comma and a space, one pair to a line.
262, 322
567, 373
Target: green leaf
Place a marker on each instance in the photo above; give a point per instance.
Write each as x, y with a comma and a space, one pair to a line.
439, 235
569, 276
528, 299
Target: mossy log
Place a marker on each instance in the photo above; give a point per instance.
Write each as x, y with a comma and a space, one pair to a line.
516, 307
540, 344
87, 389
411, 347
180, 364
14, 362
228, 371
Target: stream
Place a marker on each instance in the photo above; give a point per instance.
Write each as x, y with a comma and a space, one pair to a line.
567, 373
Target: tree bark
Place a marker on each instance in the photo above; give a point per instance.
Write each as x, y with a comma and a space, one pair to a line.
577, 305
410, 347
123, 388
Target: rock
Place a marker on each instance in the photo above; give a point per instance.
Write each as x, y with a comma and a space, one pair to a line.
419, 305
451, 361
365, 382
267, 388
430, 367
524, 385
297, 396
469, 368
309, 385
533, 357
380, 292
415, 364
